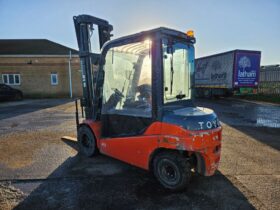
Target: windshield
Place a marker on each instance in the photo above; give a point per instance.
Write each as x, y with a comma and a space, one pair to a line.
178, 68
128, 80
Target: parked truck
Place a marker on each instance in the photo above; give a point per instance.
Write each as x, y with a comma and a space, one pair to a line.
230, 73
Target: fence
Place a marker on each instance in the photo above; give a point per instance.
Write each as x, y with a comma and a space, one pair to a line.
269, 88
269, 80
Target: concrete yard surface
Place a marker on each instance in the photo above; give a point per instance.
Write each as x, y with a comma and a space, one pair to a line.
39, 170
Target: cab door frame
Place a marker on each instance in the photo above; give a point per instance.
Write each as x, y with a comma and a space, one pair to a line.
137, 122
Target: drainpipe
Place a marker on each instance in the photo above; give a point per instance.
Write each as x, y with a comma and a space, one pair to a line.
70, 75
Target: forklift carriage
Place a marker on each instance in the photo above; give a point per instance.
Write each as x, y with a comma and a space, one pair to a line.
139, 103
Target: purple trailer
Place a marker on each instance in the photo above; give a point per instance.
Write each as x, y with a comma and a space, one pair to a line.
228, 73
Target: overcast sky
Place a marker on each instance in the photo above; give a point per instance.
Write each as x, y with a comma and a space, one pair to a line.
219, 25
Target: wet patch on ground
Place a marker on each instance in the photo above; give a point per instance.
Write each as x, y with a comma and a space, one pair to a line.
240, 113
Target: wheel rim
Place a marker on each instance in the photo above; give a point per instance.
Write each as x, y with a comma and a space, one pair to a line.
168, 172
86, 142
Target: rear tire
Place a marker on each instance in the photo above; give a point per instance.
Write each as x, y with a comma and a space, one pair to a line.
87, 141
172, 170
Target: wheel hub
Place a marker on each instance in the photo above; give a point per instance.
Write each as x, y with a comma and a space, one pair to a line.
86, 141
168, 172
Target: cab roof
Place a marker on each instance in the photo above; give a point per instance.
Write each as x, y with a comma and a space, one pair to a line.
150, 33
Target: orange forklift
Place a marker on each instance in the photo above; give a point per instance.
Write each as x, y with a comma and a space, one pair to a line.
138, 104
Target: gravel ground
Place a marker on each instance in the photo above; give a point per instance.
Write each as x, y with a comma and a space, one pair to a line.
38, 170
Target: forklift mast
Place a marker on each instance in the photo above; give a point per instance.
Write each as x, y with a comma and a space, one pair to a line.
84, 28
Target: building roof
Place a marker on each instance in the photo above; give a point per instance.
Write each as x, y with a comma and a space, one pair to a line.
275, 67
33, 47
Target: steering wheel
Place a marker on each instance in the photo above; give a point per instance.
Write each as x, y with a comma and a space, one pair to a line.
113, 100
118, 93
145, 94
143, 105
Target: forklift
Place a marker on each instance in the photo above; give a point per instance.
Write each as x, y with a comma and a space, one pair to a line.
138, 103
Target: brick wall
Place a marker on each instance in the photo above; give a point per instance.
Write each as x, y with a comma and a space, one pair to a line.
35, 73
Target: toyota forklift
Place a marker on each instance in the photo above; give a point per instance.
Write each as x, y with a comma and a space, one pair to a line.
138, 104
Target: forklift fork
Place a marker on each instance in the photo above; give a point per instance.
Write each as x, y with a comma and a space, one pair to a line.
77, 111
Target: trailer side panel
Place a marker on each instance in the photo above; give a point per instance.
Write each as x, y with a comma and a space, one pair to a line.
215, 71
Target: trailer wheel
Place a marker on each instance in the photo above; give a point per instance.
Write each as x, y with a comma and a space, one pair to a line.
86, 141
199, 93
172, 170
207, 93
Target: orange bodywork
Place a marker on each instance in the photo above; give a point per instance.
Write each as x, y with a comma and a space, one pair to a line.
137, 150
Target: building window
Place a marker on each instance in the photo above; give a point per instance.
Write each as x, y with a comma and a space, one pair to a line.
11, 79
54, 79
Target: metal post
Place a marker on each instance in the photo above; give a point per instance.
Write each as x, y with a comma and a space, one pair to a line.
77, 114
82, 108
70, 75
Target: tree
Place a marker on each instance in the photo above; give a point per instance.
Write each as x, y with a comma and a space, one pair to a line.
244, 62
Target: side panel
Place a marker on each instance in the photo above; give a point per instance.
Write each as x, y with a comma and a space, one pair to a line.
247, 69
133, 150
214, 71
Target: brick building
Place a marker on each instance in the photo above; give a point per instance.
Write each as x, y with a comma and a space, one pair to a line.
40, 68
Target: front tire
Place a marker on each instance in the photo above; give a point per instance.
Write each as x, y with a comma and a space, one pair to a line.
87, 141
172, 170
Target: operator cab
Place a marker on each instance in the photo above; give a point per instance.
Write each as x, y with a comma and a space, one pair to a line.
139, 76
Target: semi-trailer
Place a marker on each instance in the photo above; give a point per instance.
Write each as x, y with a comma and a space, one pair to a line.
230, 73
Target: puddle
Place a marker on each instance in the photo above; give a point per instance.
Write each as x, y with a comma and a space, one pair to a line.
268, 123
268, 116
238, 113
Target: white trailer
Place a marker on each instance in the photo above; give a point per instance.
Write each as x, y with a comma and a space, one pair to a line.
223, 74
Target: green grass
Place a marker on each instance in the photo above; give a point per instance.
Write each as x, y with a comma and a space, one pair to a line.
261, 97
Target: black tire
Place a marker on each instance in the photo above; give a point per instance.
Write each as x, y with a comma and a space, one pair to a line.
172, 170
207, 93
87, 141
229, 93
199, 93
217, 97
